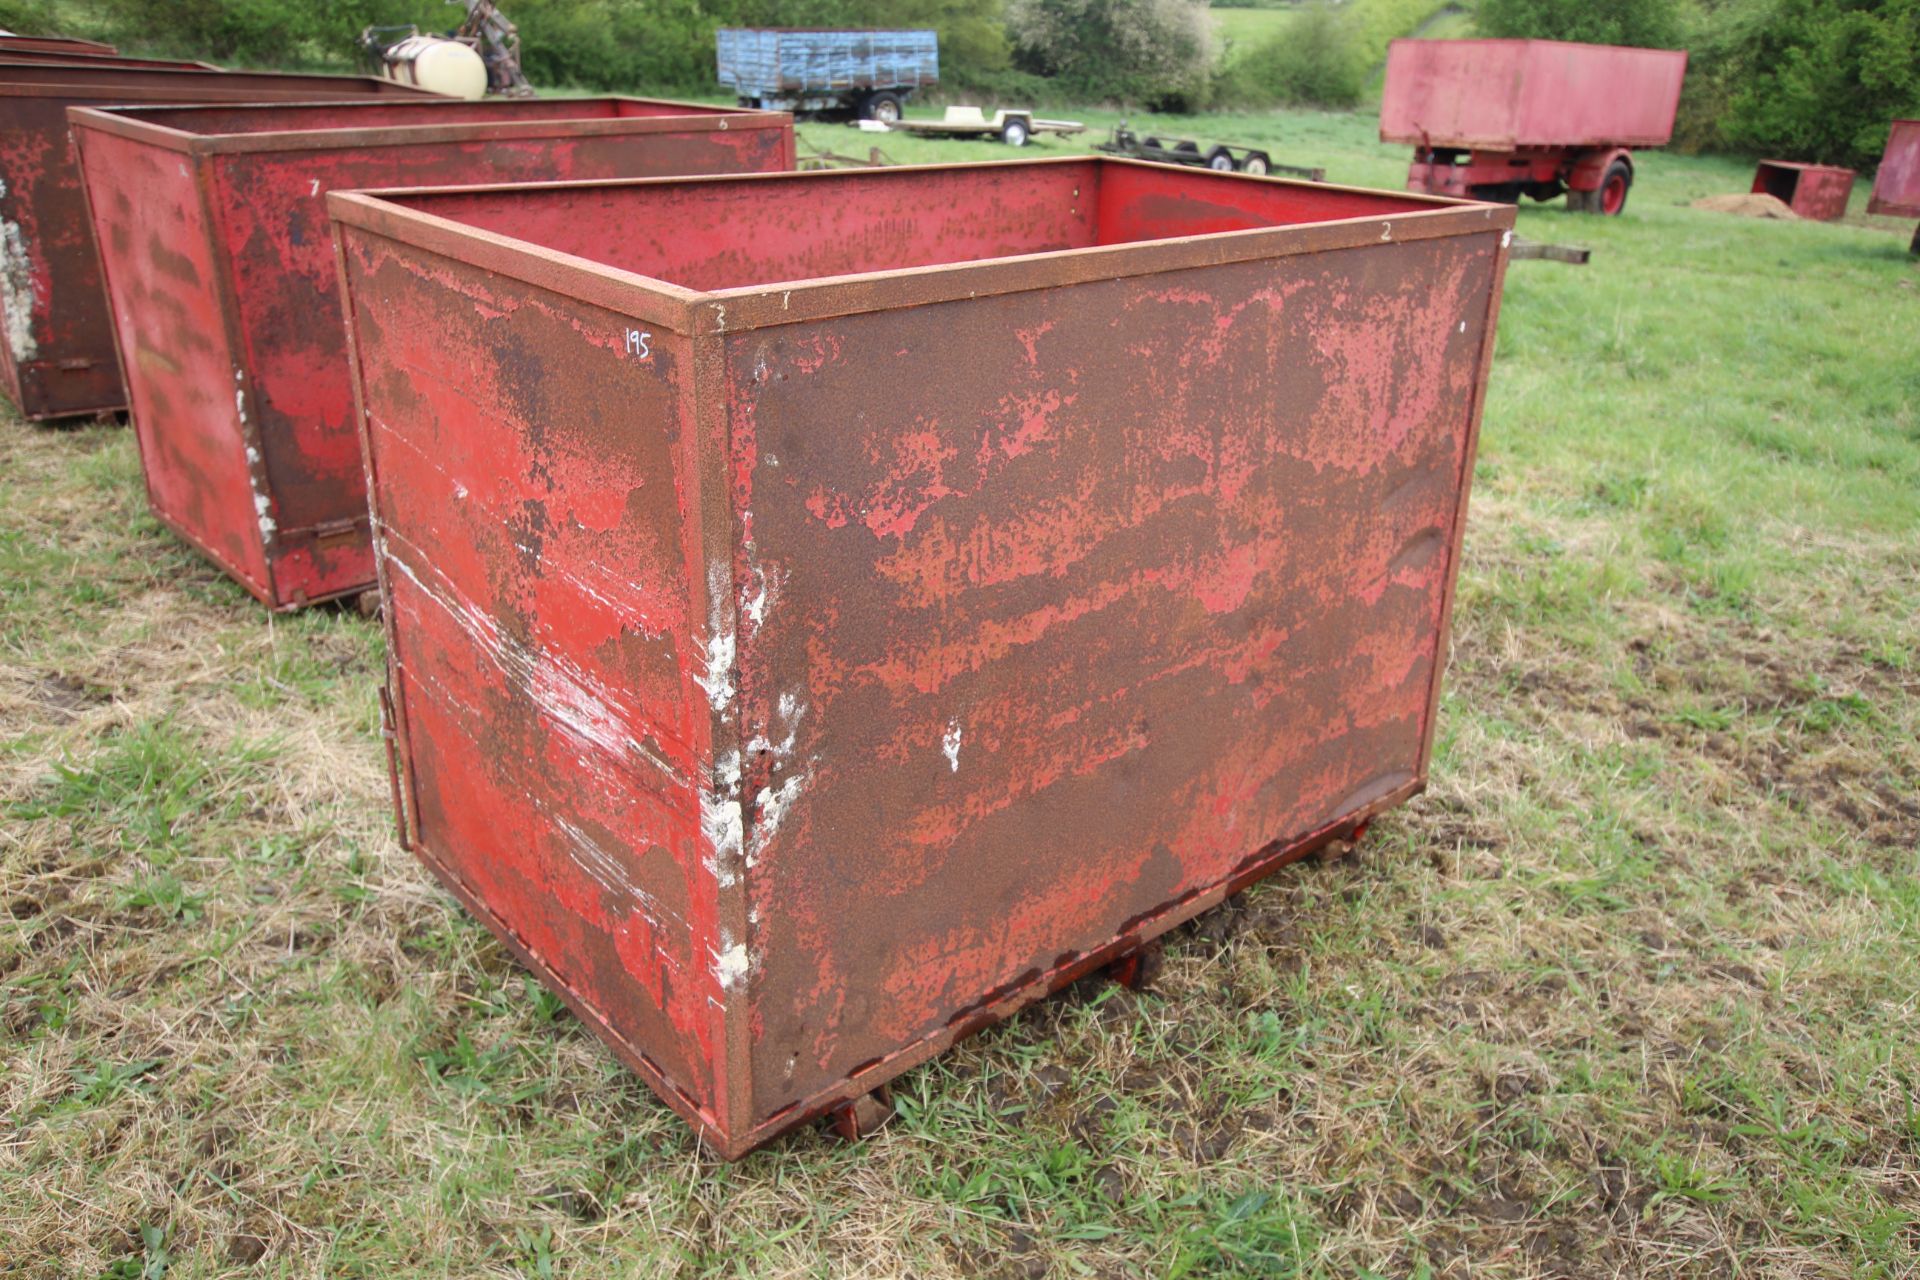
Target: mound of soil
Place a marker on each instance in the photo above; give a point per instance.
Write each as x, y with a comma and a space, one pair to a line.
1749, 204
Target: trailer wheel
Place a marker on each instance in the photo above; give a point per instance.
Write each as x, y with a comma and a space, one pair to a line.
1611, 198
1257, 164
1014, 133
884, 107
1220, 160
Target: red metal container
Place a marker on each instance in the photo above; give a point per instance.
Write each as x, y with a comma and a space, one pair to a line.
829, 611
56, 346
1816, 191
10, 44
1499, 95
28, 57
244, 416
1499, 119
1896, 186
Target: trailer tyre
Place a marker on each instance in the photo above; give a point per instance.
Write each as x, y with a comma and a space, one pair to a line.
1611, 198
884, 107
1014, 133
1257, 164
1220, 160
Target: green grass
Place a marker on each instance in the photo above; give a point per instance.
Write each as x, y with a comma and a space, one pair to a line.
1629, 991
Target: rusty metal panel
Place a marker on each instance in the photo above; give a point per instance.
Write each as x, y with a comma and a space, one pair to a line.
10, 44
16, 57
1896, 185
56, 347
1816, 191
280, 409
1498, 95
829, 611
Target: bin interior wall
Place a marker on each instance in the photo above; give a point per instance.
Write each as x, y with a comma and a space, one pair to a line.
531, 471
1063, 603
206, 121
737, 234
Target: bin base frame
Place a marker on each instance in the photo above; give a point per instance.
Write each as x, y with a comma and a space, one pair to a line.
850, 1102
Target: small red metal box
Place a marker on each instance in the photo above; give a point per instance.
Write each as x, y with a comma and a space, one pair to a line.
56, 346
219, 263
828, 611
1816, 191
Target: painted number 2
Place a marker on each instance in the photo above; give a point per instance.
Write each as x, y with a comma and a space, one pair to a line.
638, 341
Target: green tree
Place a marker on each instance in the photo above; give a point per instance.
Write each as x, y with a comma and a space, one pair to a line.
1154, 53
1821, 79
1651, 24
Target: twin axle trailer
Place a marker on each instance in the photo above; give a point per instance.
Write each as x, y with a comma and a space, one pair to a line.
1501, 119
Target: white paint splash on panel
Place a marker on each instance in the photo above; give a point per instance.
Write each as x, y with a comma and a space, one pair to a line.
950, 745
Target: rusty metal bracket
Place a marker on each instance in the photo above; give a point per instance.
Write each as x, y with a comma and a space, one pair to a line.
860, 1117
1570, 254
1138, 968
392, 737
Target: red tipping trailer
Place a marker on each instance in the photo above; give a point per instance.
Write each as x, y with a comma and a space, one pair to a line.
828, 611
1499, 119
1896, 186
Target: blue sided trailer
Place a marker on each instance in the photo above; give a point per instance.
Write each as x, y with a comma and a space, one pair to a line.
827, 72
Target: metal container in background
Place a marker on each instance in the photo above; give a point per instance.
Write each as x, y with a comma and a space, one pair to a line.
245, 414
1896, 184
56, 345
14, 57
1816, 191
11, 44
826, 612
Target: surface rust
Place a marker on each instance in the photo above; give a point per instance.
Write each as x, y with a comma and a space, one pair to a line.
57, 351
1818, 192
278, 411
802, 673
1896, 185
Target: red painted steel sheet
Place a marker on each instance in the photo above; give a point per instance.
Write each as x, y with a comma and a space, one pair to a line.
1496, 95
18, 57
274, 409
56, 347
1816, 191
829, 611
10, 44
1896, 186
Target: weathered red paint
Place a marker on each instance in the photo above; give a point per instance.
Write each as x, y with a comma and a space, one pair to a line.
1816, 191
1530, 116
11, 44
828, 611
245, 422
56, 345
32, 57
1896, 185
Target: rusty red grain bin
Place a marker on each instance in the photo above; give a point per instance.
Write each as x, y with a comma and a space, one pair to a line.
1896, 186
828, 611
56, 346
1816, 191
244, 413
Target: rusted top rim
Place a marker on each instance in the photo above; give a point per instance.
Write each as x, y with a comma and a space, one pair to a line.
691, 311
185, 85
149, 124
1806, 167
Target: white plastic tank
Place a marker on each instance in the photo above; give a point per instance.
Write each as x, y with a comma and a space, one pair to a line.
437, 65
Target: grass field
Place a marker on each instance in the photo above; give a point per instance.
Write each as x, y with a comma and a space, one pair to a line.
1631, 991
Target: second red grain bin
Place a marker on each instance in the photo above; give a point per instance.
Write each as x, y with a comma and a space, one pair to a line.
219, 263
1815, 191
1896, 185
56, 346
829, 611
